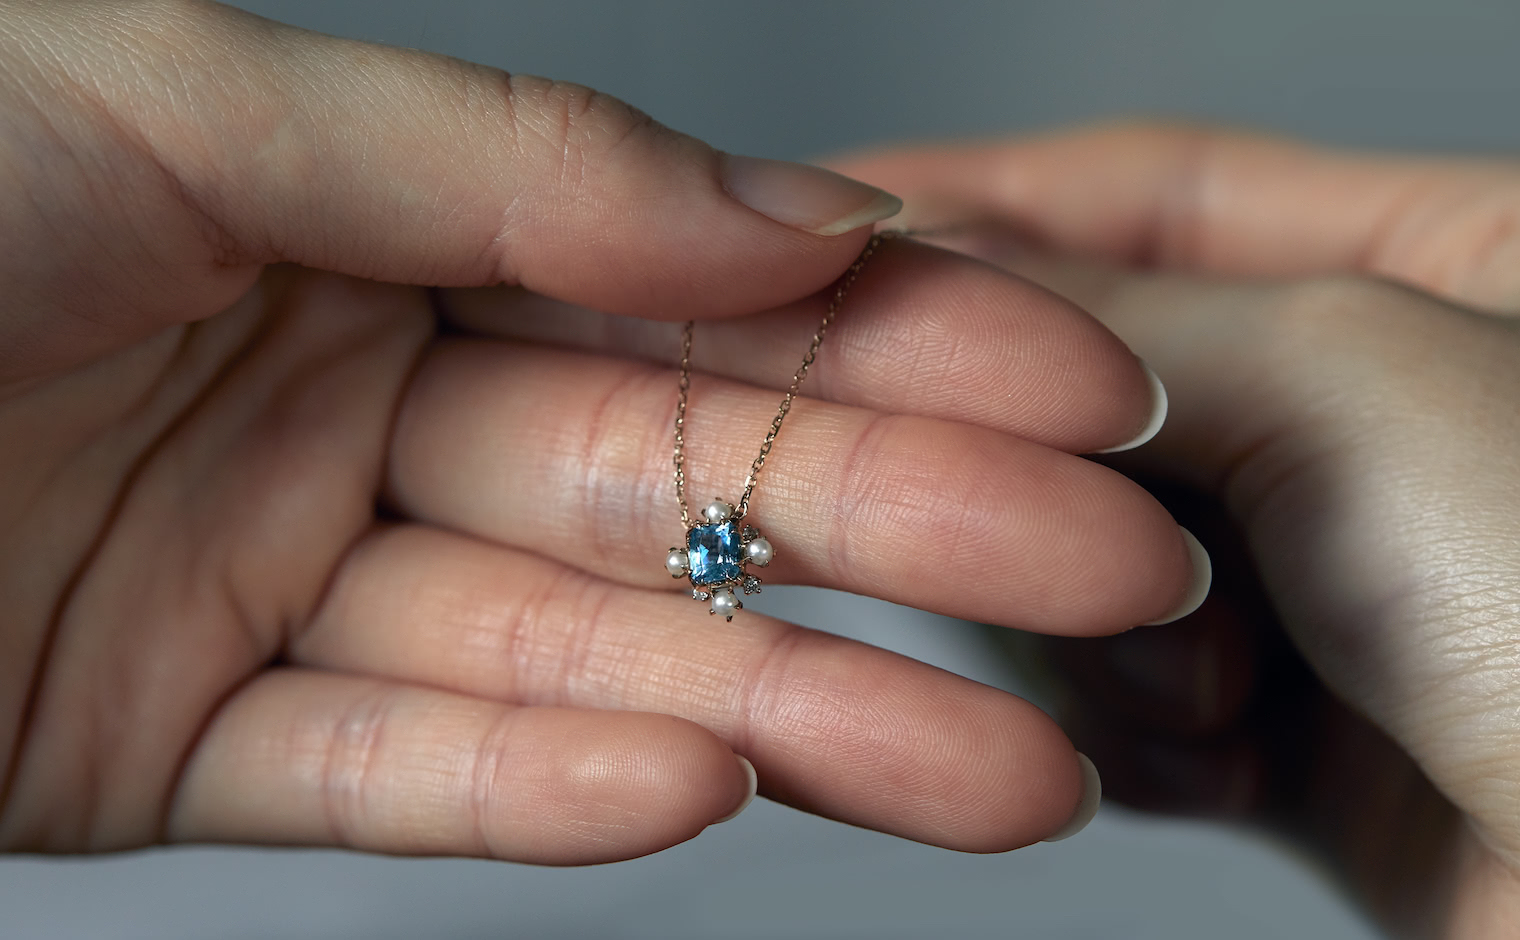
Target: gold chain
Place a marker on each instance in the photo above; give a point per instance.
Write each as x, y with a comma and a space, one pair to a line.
841, 288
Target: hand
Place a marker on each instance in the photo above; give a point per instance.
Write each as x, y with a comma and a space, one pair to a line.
1338, 337
212, 634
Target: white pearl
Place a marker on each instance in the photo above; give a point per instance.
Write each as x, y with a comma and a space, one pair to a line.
717, 511
724, 603
675, 562
759, 551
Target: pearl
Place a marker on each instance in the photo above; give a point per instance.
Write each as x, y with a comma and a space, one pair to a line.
675, 562
724, 603
717, 511
759, 551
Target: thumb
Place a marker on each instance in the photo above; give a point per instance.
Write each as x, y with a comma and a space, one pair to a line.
191, 143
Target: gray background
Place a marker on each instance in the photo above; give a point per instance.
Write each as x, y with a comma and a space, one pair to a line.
789, 80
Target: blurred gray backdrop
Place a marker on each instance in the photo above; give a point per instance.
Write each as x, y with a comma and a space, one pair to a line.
789, 80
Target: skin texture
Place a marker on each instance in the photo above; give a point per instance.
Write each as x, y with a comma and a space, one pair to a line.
1338, 335
294, 532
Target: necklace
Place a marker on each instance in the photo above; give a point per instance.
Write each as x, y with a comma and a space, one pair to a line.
721, 547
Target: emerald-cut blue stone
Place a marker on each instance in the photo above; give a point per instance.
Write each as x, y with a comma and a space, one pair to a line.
714, 552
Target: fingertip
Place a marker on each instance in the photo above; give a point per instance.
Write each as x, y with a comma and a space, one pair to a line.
1087, 804
751, 787
1198, 588
689, 778
1157, 418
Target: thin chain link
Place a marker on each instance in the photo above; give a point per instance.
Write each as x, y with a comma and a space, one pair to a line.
685, 386
842, 287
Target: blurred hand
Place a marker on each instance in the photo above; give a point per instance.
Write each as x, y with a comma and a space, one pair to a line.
1338, 335
210, 633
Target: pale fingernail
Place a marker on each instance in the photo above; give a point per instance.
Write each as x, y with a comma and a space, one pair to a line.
749, 797
1158, 414
807, 197
1203, 576
1092, 795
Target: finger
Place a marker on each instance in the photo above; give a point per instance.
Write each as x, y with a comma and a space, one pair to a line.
1233, 203
929, 513
239, 141
309, 758
922, 331
833, 726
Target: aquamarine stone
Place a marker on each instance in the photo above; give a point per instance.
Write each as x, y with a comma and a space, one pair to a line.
714, 552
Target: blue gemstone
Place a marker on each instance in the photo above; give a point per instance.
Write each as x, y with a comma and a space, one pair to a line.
714, 552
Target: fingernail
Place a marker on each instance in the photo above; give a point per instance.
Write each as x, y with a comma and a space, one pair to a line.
749, 797
1203, 576
1158, 414
807, 197
1087, 808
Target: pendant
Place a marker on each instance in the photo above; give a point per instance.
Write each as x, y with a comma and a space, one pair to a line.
716, 557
